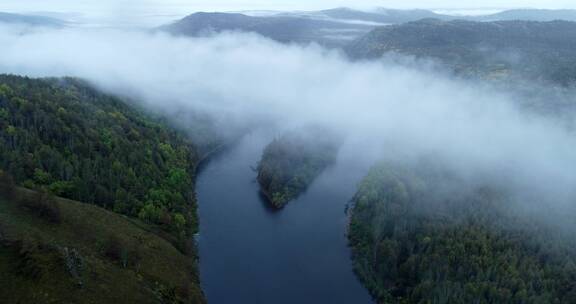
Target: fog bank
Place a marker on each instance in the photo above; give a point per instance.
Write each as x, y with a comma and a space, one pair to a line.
383, 108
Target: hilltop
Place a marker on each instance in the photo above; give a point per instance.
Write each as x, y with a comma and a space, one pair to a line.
285, 29
536, 50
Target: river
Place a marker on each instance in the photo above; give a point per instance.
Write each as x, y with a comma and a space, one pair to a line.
252, 254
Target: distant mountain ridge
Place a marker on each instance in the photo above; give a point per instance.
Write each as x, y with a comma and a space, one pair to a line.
381, 15
286, 29
395, 16
334, 27
530, 14
30, 20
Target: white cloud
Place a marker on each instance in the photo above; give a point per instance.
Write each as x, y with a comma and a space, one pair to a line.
189, 6
247, 78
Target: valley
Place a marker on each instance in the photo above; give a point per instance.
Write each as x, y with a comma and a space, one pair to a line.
310, 156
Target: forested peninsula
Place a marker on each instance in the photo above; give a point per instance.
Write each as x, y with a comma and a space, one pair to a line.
292, 162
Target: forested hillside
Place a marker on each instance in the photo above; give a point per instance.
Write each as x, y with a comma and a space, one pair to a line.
63, 136
420, 235
540, 51
285, 29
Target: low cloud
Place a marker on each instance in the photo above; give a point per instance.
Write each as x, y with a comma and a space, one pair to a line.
397, 110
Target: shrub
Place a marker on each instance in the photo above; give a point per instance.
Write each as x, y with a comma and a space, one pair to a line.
42, 205
113, 249
117, 251
2, 235
7, 186
36, 260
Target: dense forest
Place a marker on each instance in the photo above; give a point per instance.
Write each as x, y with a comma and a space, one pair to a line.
290, 163
419, 234
65, 137
510, 50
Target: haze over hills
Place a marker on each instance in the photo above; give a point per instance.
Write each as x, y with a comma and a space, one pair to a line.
465, 190
378, 16
530, 14
373, 17
333, 27
30, 20
395, 16
537, 50
280, 28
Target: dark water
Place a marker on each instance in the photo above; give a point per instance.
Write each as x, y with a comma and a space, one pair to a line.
252, 254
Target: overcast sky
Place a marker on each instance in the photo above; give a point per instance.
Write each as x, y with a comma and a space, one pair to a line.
146, 13
170, 5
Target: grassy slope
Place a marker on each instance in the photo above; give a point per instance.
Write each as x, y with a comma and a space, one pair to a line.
156, 271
